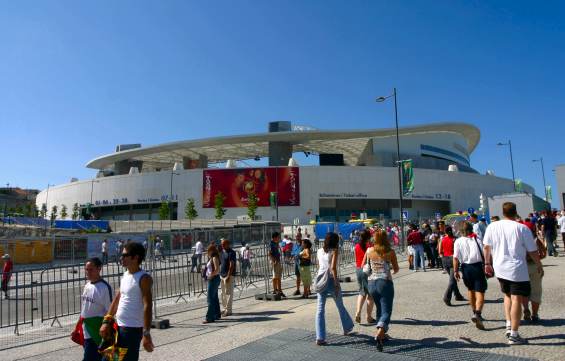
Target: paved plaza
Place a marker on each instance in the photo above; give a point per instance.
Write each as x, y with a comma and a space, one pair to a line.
423, 328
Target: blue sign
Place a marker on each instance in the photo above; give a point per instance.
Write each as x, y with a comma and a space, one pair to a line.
404, 214
471, 210
438, 216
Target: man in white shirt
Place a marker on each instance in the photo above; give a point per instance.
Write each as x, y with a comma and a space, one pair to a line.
105, 251
197, 257
132, 308
95, 302
561, 224
468, 253
478, 228
506, 244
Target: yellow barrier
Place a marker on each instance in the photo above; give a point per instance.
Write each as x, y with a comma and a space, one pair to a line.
27, 252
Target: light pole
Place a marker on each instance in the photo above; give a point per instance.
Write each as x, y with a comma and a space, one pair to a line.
398, 162
543, 176
47, 198
509, 144
91, 192
171, 199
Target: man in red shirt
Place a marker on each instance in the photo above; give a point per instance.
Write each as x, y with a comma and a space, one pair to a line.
416, 240
6, 273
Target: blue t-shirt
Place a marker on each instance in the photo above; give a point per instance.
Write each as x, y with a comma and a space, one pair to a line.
225, 258
296, 249
275, 251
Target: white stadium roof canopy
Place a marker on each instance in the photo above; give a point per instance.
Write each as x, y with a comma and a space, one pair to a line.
220, 149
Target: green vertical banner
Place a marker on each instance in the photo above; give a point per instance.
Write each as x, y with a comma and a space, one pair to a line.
273, 201
407, 177
519, 187
548, 197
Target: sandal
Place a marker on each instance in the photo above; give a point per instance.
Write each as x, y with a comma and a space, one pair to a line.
371, 320
357, 319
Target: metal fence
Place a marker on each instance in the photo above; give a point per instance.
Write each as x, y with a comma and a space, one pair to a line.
51, 296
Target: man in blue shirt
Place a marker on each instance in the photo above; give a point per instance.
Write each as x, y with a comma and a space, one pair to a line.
295, 253
275, 258
228, 260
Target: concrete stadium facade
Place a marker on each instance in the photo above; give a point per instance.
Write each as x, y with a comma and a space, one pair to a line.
362, 179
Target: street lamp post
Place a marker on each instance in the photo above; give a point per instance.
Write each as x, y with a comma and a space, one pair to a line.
398, 163
509, 144
91, 193
171, 199
543, 176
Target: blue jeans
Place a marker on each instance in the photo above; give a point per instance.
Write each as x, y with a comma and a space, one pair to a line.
346, 321
213, 312
91, 351
382, 292
419, 254
549, 239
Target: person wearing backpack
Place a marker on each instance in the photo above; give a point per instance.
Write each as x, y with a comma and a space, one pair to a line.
213, 277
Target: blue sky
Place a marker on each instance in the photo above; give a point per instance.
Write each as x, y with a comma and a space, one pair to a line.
77, 78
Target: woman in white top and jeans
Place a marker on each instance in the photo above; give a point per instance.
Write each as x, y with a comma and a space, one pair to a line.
328, 261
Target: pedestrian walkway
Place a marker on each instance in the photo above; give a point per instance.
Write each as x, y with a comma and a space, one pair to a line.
298, 345
422, 327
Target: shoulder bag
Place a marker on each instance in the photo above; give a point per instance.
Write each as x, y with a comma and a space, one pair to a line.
487, 275
321, 282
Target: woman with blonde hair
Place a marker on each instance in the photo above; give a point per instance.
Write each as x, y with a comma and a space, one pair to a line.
381, 258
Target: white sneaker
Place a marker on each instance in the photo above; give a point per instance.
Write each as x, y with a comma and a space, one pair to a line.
516, 340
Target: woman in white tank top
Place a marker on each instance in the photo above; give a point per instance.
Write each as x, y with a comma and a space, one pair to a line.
327, 261
382, 258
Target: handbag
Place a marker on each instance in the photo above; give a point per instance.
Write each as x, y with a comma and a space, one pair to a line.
487, 275
322, 279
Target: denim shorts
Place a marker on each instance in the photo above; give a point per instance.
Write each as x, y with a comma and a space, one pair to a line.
362, 282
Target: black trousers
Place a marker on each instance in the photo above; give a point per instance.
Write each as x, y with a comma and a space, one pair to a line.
130, 338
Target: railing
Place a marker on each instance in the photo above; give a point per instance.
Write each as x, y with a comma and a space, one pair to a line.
47, 297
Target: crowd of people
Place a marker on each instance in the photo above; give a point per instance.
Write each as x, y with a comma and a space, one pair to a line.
510, 249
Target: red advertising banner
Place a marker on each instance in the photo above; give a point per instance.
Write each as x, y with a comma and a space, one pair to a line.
237, 184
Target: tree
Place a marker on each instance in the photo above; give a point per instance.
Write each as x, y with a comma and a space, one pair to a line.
190, 210
35, 211
19, 210
43, 211
252, 205
219, 199
53, 215
164, 211
28, 210
64, 213
76, 211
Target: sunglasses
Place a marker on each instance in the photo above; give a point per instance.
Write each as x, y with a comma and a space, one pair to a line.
124, 255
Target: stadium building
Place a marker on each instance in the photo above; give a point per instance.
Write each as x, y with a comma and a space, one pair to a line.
355, 173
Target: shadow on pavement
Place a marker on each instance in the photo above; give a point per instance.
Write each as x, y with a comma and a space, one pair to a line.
558, 336
274, 312
415, 322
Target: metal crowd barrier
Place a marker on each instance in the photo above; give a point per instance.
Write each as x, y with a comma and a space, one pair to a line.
48, 295
17, 310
